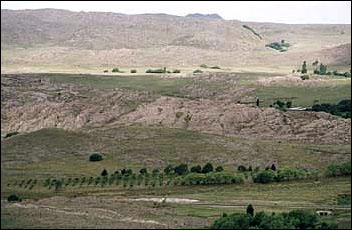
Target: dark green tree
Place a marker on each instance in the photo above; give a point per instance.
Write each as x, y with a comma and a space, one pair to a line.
181, 169
104, 173
250, 210
196, 169
208, 167
219, 169
304, 67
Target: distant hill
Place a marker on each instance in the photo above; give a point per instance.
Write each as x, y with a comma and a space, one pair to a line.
197, 15
61, 37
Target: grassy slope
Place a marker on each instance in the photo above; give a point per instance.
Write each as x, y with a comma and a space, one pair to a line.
332, 92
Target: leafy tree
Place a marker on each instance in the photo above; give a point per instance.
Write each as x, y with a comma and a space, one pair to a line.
250, 210
95, 157
208, 167
143, 171
155, 171
322, 69
266, 176
169, 169
115, 70
304, 67
241, 168
181, 169
13, 198
104, 173
273, 167
219, 169
196, 169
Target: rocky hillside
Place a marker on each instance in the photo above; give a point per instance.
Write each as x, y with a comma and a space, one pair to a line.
61, 37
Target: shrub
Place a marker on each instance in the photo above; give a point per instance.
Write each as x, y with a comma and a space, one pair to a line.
215, 67
13, 198
115, 70
156, 71
196, 169
106, 71
266, 176
197, 71
305, 77
335, 170
10, 134
203, 66
181, 169
155, 171
304, 67
104, 173
295, 219
95, 157
208, 167
219, 169
241, 168
133, 71
250, 210
169, 169
143, 171
176, 71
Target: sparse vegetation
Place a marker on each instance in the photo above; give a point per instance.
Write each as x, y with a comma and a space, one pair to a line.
197, 71
10, 134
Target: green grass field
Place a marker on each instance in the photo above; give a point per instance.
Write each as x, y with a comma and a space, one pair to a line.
331, 92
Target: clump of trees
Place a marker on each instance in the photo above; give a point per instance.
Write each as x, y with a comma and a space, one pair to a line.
343, 108
295, 219
282, 105
210, 178
95, 157
269, 175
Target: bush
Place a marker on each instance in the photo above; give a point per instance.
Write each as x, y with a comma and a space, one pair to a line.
196, 169
305, 77
106, 71
181, 169
208, 167
10, 134
104, 173
176, 71
95, 157
219, 169
266, 176
156, 71
13, 198
335, 170
215, 67
169, 169
143, 171
198, 71
133, 71
115, 70
241, 168
295, 219
203, 66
